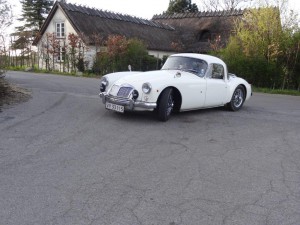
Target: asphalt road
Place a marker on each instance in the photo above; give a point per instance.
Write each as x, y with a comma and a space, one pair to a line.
65, 160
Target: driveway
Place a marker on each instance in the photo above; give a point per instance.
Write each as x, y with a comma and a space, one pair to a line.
65, 160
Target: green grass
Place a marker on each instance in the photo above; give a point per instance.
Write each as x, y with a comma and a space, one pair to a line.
16, 68
36, 70
276, 91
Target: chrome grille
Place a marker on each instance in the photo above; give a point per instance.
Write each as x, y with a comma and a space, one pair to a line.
124, 92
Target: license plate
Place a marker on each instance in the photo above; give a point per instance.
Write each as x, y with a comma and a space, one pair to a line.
114, 107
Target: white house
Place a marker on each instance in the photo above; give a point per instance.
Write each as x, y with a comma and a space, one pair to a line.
88, 23
163, 35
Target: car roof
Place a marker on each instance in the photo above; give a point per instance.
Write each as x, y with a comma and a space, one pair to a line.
208, 58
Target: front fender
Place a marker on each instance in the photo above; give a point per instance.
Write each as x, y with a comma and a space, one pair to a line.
234, 83
157, 90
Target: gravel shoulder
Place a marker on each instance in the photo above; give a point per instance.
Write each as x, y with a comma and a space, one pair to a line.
11, 94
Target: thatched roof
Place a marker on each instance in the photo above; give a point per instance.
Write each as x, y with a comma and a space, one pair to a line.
197, 30
91, 21
223, 13
187, 32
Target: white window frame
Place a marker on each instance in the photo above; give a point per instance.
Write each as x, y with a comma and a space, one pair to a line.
220, 71
60, 30
61, 55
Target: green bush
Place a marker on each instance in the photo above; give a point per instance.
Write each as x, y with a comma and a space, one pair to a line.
80, 65
256, 69
135, 55
101, 64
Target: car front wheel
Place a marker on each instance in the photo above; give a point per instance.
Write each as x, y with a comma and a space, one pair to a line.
166, 105
237, 99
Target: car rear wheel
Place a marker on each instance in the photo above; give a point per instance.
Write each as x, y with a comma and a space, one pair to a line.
237, 99
166, 105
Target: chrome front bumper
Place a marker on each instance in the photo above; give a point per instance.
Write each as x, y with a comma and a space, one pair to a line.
129, 104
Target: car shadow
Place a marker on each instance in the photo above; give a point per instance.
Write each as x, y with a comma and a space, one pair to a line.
151, 116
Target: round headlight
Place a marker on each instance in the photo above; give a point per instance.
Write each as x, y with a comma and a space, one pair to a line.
103, 84
146, 88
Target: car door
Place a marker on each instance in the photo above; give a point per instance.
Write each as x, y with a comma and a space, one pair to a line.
192, 89
216, 86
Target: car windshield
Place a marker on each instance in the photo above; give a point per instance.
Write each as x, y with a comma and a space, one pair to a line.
192, 65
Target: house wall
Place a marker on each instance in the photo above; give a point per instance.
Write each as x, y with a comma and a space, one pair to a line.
60, 17
159, 54
90, 56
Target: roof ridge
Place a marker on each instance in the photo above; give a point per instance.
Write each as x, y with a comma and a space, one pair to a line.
216, 13
112, 15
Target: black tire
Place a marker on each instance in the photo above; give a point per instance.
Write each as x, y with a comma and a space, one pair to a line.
166, 105
237, 99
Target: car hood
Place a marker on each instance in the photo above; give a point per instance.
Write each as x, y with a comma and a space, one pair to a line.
152, 77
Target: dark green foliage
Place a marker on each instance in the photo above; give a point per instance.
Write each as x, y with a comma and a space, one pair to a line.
4, 61
101, 64
34, 13
290, 61
137, 56
150, 62
80, 65
134, 54
266, 61
256, 70
181, 6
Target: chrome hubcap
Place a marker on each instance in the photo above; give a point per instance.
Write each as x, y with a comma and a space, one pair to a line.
238, 98
170, 105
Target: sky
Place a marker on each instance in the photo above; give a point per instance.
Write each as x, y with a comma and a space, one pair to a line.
143, 8
139, 8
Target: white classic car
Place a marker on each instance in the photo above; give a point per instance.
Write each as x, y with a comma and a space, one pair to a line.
187, 81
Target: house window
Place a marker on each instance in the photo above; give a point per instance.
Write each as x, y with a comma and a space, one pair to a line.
60, 30
61, 55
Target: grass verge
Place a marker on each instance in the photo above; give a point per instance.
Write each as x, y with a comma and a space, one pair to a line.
276, 91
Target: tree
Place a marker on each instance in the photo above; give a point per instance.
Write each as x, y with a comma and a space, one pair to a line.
290, 59
5, 15
5, 21
265, 48
213, 5
135, 53
260, 32
34, 13
181, 6
256, 46
122, 52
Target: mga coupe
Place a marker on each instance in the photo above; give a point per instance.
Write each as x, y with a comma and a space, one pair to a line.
187, 81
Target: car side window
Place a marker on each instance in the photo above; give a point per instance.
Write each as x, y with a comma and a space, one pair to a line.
199, 67
217, 71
